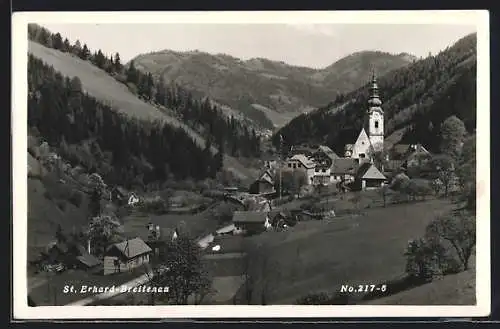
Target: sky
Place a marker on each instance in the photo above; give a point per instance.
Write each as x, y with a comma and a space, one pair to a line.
311, 45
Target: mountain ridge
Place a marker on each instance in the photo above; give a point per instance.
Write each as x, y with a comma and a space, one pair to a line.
275, 88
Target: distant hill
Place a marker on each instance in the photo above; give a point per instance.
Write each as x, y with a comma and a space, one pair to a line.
268, 92
416, 99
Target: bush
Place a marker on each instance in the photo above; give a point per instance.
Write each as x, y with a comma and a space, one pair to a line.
428, 259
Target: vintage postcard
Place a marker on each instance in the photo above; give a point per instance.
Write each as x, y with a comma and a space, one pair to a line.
208, 164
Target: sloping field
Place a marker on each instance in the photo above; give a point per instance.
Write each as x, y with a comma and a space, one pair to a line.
102, 86
322, 255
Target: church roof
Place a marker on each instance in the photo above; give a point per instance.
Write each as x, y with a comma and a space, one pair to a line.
363, 135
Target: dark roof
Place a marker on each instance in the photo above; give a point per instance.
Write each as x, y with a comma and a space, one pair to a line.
249, 217
344, 166
88, 260
132, 248
282, 213
328, 151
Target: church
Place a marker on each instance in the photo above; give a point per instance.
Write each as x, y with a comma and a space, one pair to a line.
371, 137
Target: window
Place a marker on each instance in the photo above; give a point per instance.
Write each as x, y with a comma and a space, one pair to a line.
362, 155
289, 165
376, 124
294, 166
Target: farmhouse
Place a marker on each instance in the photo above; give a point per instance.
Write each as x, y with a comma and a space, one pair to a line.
126, 255
251, 221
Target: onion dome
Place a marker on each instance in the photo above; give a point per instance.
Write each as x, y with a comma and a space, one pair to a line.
374, 100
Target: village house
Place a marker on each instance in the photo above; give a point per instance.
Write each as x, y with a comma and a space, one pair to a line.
251, 221
344, 169
264, 184
369, 177
126, 255
301, 163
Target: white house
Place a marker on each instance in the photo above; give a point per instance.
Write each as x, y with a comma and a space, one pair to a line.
299, 162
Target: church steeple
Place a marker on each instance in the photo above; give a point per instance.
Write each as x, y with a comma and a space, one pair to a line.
375, 116
374, 100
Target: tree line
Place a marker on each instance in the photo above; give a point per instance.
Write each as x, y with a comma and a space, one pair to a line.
230, 134
416, 98
121, 149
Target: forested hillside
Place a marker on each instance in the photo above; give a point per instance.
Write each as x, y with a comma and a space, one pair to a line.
416, 100
268, 92
122, 150
225, 132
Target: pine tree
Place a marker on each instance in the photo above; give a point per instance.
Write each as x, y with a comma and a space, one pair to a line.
118, 65
85, 53
132, 74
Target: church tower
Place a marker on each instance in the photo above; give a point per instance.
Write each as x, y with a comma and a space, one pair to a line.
375, 117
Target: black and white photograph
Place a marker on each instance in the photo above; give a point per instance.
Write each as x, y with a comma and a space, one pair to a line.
191, 162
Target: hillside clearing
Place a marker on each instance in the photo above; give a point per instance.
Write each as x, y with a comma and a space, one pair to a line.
103, 87
322, 255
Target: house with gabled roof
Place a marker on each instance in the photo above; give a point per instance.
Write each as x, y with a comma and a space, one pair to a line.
126, 255
264, 184
301, 162
369, 177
